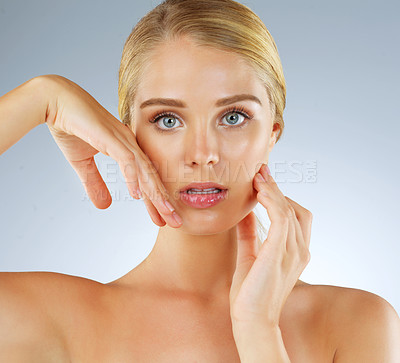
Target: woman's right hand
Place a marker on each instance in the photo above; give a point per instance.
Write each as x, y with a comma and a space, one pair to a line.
81, 127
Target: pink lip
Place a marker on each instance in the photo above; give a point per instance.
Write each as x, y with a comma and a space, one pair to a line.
203, 200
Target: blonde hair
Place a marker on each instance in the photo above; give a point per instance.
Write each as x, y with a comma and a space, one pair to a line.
220, 24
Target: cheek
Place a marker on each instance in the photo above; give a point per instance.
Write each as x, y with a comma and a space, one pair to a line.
166, 160
159, 151
244, 156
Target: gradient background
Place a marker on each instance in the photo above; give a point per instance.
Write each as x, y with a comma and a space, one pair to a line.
337, 156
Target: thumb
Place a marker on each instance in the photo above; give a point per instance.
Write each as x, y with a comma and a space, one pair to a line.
247, 250
246, 232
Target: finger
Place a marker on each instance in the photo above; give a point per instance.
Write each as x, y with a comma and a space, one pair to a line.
304, 217
147, 176
295, 243
149, 179
94, 184
279, 228
247, 244
154, 215
151, 186
271, 253
126, 132
246, 254
302, 253
269, 189
129, 172
274, 246
105, 141
128, 165
264, 172
299, 248
292, 246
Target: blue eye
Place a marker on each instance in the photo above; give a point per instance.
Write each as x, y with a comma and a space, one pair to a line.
234, 117
168, 119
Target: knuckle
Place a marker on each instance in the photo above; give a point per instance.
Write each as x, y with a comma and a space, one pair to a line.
271, 181
127, 156
306, 256
305, 215
302, 256
289, 211
282, 217
308, 214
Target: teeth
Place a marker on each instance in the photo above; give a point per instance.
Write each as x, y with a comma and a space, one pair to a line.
203, 191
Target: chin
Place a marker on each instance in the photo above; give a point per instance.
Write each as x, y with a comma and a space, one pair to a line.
215, 220
205, 228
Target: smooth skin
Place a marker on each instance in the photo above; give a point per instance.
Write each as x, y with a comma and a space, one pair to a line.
177, 304
265, 276
81, 135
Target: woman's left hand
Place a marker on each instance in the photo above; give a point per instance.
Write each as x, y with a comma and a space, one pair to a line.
265, 275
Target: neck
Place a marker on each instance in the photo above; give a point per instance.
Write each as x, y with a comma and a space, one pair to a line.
200, 265
194, 266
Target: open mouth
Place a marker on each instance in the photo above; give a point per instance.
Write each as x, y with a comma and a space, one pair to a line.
203, 191
203, 198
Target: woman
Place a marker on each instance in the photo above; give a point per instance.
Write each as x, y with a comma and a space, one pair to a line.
202, 94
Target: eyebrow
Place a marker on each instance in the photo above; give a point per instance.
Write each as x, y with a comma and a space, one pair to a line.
178, 103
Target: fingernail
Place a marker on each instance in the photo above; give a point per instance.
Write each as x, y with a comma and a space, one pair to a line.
177, 218
139, 193
169, 206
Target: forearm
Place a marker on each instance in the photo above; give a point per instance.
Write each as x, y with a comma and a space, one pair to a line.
260, 344
22, 109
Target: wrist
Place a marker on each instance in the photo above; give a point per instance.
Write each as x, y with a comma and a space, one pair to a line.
22, 109
260, 343
255, 324
45, 89
244, 330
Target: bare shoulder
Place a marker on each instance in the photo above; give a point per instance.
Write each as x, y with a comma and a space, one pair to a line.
33, 307
363, 326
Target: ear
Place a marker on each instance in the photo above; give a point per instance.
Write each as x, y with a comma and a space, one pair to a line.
274, 134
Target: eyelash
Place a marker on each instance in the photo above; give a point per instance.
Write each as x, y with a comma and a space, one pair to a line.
241, 110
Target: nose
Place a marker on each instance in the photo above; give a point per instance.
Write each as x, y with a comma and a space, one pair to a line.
201, 147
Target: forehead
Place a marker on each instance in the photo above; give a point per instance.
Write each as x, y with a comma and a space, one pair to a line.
181, 69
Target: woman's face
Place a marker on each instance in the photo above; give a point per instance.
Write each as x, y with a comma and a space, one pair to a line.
205, 140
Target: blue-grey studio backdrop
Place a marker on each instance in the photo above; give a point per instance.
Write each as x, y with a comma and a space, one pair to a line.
338, 156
